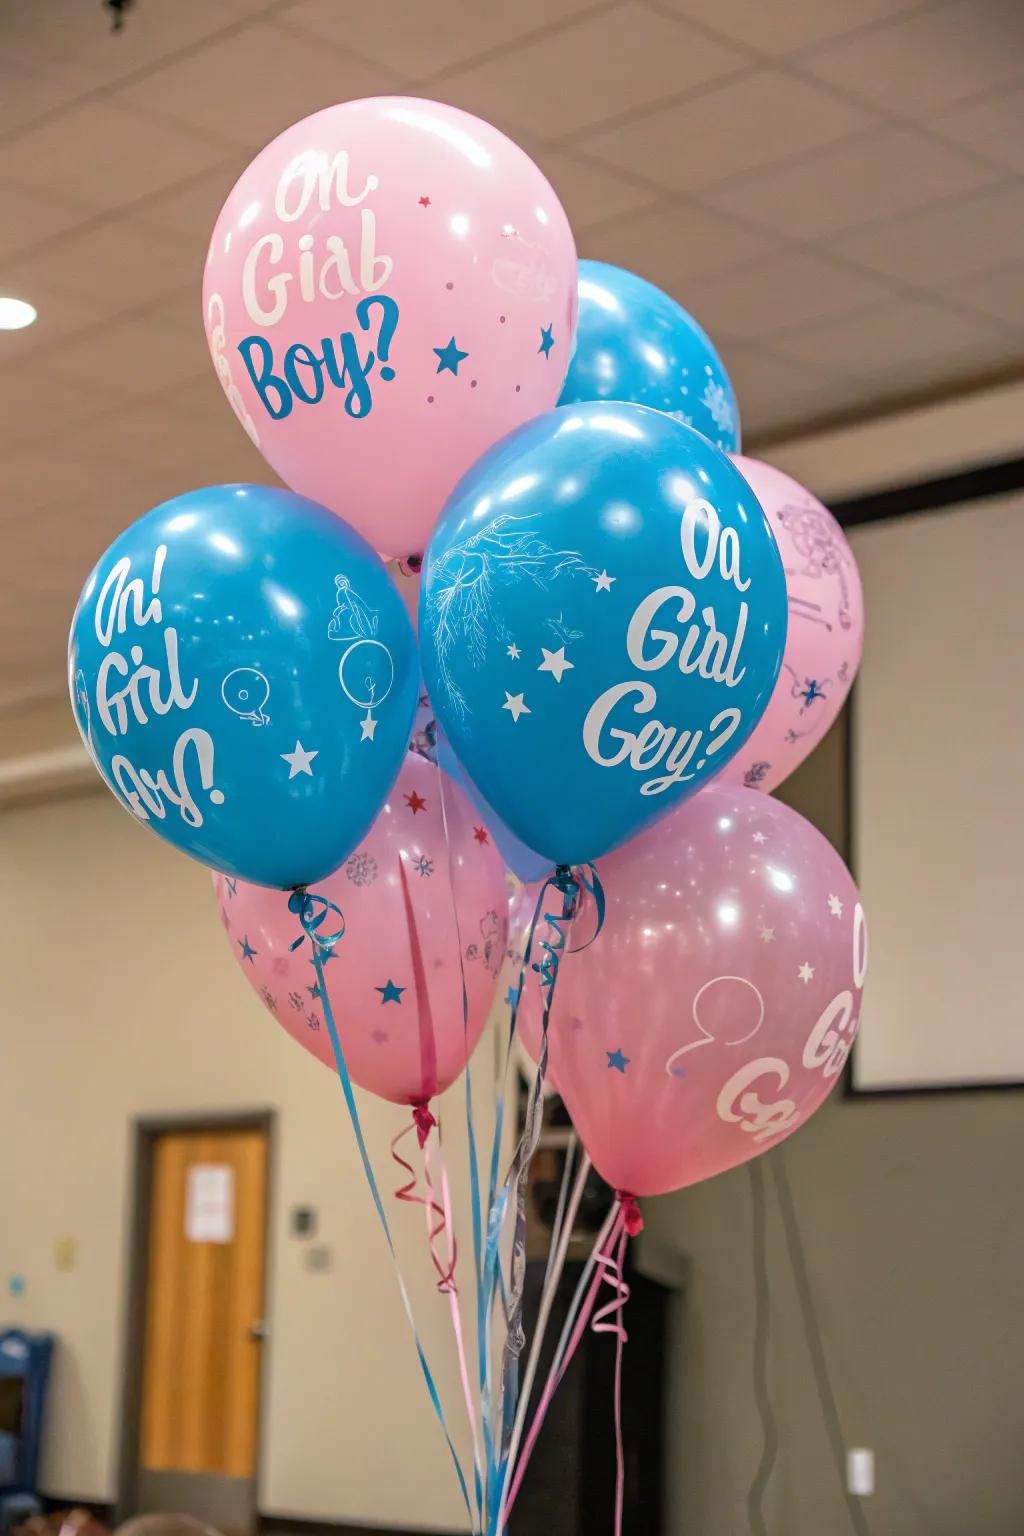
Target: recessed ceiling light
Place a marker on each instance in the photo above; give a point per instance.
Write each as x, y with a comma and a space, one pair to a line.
15, 314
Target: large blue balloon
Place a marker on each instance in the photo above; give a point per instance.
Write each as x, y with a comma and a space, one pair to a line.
635, 343
602, 621
244, 676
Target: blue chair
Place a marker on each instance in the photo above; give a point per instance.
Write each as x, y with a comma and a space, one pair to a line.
24, 1374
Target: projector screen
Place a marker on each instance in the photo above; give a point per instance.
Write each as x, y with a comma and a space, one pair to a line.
938, 791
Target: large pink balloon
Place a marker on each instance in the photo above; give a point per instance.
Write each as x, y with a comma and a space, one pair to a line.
390, 288
394, 978
713, 1013
825, 635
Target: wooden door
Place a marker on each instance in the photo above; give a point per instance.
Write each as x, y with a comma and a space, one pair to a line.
203, 1325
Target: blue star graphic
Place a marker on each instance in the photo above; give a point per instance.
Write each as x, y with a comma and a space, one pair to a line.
247, 950
16, 1285
314, 991
449, 357
232, 885
547, 339
812, 691
617, 1061
390, 993
512, 996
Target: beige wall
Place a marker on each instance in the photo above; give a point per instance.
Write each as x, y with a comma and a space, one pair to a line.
120, 999
910, 1206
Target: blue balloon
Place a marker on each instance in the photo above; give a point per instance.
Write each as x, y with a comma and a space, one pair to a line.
526, 865
244, 676
602, 621
635, 343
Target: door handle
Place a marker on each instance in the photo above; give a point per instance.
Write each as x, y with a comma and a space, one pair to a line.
258, 1330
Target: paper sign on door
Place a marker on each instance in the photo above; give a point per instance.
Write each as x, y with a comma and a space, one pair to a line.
210, 1203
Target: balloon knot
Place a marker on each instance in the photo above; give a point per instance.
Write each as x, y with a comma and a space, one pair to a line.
632, 1216
424, 1122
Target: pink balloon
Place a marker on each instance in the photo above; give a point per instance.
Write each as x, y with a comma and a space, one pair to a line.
394, 980
826, 629
390, 287
714, 1011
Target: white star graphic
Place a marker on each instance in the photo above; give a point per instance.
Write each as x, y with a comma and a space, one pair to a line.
806, 972
555, 662
299, 761
603, 583
369, 725
835, 906
759, 837
513, 651
515, 706
768, 935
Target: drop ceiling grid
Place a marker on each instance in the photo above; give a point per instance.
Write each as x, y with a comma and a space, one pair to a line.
679, 133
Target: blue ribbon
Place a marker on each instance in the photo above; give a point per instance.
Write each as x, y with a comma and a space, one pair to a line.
312, 911
568, 883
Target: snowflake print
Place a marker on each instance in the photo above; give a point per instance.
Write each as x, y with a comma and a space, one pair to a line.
295, 998
755, 773
423, 865
682, 416
361, 869
720, 406
313, 1021
269, 998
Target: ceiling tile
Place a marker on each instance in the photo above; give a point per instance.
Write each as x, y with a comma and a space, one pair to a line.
596, 68
31, 216
589, 193
932, 248
35, 406
781, 290
75, 39
187, 212
857, 182
1000, 294
409, 35
784, 28
104, 156
671, 246
893, 340
927, 61
137, 356
111, 266
28, 94
743, 126
770, 389
286, 77
993, 127
60, 315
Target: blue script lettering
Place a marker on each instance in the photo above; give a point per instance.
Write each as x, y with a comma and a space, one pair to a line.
304, 373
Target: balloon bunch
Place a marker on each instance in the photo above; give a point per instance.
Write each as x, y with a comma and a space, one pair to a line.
606, 637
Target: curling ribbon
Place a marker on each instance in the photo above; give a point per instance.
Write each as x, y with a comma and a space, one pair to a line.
312, 910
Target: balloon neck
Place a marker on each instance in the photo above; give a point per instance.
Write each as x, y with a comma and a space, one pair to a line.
413, 564
632, 1216
565, 880
424, 1122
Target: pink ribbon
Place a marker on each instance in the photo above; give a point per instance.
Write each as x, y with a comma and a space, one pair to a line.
423, 1123
609, 1262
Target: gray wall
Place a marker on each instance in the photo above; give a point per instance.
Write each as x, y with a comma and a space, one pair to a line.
911, 1215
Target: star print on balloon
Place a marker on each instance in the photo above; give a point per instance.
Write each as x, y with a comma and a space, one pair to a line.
389, 993
299, 761
616, 1061
248, 953
415, 802
449, 357
547, 339
480, 833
